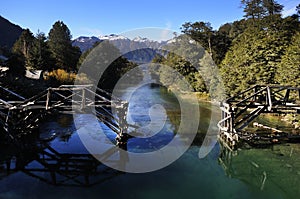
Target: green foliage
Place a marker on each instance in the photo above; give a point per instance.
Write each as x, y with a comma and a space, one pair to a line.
254, 57
182, 60
24, 43
201, 32
271, 7
216, 43
65, 55
16, 65
257, 9
104, 61
289, 67
188, 59
20, 56
40, 54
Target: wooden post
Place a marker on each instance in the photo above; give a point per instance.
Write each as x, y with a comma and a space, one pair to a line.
231, 121
287, 96
48, 98
226, 121
83, 99
123, 137
222, 117
255, 96
269, 98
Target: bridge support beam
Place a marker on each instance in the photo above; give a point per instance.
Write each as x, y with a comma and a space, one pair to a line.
21, 116
240, 110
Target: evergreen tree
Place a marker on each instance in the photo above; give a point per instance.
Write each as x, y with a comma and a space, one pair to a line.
289, 68
40, 53
253, 9
23, 45
216, 43
201, 32
106, 56
16, 65
257, 9
65, 55
253, 58
298, 9
19, 59
272, 7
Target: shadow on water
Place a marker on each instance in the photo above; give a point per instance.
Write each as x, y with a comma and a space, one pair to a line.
50, 164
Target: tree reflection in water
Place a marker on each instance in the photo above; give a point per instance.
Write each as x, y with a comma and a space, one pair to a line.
273, 169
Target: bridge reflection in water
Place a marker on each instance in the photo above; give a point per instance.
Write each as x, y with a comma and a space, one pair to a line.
40, 160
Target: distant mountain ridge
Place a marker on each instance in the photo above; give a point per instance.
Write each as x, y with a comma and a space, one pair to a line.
124, 44
9, 33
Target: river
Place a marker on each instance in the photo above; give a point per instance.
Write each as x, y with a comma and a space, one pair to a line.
59, 166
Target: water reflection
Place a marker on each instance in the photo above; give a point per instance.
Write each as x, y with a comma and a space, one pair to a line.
38, 159
273, 170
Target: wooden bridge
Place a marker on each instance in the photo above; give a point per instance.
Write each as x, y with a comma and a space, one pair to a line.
20, 116
240, 110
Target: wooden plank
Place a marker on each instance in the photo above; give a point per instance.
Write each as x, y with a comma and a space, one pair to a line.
13, 93
254, 94
243, 92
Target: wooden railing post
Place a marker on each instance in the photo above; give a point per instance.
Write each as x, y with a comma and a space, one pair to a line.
83, 100
269, 98
48, 98
231, 120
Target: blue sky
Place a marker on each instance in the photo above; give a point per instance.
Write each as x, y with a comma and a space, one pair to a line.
94, 17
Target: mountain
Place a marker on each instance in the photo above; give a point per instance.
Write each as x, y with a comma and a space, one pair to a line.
146, 47
9, 33
85, 43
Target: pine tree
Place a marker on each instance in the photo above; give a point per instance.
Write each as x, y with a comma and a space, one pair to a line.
253, 9
272, 7
257, 9
23, 45
104, 61
40, 53
20, 56
65, 55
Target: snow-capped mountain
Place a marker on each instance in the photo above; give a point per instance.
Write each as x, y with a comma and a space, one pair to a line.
85, 43
113, 37
125, 45
140, 39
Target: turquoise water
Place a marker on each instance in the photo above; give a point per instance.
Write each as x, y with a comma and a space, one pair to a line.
59, 166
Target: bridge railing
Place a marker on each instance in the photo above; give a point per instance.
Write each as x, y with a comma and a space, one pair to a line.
240, 110
25, 114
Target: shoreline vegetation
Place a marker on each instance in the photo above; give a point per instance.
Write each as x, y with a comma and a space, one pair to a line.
262, 48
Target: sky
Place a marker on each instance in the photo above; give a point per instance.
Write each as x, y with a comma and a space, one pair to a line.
97, 17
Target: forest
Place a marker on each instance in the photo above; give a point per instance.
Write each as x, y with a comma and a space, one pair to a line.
261, 48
